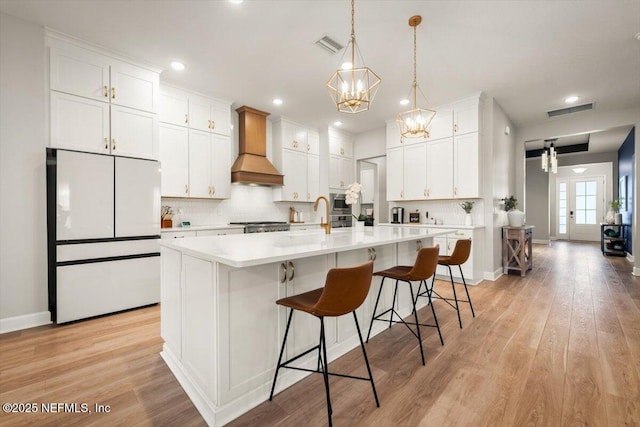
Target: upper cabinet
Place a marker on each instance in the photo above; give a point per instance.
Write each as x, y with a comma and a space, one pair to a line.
101, 104
340, 160
296, 151
182, 108
444, 166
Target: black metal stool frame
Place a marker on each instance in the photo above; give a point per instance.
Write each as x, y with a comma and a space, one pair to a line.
393, 311
322, 362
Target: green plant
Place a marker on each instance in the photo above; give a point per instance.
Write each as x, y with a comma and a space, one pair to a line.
362, 217
467, 206
615, 204
510, 203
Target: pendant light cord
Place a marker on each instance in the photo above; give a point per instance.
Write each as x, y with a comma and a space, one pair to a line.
353, 33
415, 79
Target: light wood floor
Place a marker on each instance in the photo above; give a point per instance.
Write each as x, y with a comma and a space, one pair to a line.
558, 347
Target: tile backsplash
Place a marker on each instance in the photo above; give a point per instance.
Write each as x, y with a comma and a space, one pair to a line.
247, 203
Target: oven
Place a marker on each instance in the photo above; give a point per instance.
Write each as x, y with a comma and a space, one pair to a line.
339, 205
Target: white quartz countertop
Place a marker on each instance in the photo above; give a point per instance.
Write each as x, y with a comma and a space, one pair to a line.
449, 226
245, 250
203, 227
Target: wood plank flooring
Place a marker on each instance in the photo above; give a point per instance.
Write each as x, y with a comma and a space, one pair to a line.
558, 347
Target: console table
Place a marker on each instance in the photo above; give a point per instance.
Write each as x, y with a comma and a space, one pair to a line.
517, 254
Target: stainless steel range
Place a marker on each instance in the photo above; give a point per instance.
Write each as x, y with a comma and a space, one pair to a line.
263, 226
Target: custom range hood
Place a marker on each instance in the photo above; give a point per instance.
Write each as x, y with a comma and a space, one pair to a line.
252, 165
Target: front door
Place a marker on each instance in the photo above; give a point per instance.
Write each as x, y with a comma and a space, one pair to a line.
580, 208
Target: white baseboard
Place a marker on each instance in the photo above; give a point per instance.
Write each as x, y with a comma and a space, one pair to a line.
25, 321
630, 257
493, 276
541, 241
636, 271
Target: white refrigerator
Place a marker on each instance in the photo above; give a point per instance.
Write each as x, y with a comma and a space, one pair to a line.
103, 226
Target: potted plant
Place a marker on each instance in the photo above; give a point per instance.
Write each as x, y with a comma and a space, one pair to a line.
352, 195
467, 207
613, 216
516, 217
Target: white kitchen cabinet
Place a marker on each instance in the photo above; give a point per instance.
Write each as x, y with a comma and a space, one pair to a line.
440, 167
295, 155
181, 234
101, 104
340, 144
174, 106
174, 157
209, 165
466, 116
171, 299
368, 186
466, 166
415, 173
340, 172
395, 174
393, 134
442, 124
221, 174
219, 232
209, 115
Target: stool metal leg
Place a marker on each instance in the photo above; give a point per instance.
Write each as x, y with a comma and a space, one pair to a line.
433, 310
325, 371
375, 308
455, 297
284, 342
366, 360
393, 304
415, 315
467, 291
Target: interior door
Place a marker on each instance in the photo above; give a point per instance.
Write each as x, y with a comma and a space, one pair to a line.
580, 208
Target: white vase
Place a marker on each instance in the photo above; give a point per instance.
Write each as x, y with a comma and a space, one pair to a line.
618, 219
468, 219
359, 226
610, 217
516, 218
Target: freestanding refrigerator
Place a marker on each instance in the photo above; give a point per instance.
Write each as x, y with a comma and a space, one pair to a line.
103, 231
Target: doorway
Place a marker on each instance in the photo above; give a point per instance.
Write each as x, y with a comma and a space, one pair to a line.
580, 207
372, 174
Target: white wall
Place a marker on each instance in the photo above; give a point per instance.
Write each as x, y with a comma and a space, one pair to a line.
23, 241
370, 144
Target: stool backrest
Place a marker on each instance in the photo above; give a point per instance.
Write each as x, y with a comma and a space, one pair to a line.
426, 264
461, 252
345, 290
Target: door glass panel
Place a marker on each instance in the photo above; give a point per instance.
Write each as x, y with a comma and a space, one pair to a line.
591, 217
562, 212
580, 189
586, 202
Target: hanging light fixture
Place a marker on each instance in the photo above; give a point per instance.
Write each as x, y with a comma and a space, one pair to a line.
550, 159
354, 85
415, 122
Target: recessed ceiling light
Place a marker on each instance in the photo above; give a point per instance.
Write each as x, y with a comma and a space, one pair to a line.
277, 101
579, 170
346, 65
404, 102
571, 99
177, 65
337, 123
236, 1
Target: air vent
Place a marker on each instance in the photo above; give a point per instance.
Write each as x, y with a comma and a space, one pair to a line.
329, 44
570, 110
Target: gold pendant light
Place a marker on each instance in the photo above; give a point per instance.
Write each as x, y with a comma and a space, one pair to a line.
415, 122
354, 85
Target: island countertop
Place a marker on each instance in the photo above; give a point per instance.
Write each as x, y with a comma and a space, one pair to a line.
246, 250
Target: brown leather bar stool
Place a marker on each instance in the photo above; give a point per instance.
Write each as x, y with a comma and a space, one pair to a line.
459, 256
424, 268
344, 291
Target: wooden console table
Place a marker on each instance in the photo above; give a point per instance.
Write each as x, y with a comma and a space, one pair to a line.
517, 254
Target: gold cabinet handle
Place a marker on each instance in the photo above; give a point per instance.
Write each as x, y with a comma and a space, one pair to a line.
213, 190
113, 144
402, 194
293, 271
186, 188
459, 233
425, 192
213, 124
294, 143
372, 254
186, 118
113, 93
106, 143
283, 267
455, 191
209, 189
341, 150
341, 183
106, 91
308, 147
209, 125
455, 127
308, 196
418, 245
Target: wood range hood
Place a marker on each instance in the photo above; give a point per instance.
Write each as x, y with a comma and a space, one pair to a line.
252, 165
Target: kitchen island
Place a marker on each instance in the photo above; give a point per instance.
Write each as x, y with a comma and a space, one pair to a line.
222, 328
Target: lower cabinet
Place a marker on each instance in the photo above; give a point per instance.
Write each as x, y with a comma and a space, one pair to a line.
472, 268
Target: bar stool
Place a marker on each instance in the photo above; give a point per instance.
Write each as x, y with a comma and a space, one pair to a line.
344, 291
459, 256
424, 267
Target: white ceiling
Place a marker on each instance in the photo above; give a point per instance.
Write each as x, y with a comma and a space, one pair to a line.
528, 55
599, 142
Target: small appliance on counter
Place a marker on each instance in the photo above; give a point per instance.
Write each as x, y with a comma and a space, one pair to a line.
397, 215
414, 217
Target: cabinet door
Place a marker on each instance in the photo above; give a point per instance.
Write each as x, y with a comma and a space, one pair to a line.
174, 157
199, 164
85, 196
466, 116
395, 175
79, 123
415, 171
220, 118
200, 113
294, 137
346, 172
171, 300
313, 177
250, 320
221, 169
313, 142
199, 324
368, 186
174, 107
466, 156
134, 133
134, 87
334, 171
440, 169
137, 195
294, 168
79, 72
393, 135
442, 124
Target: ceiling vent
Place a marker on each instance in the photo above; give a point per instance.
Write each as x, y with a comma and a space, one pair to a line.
329, 44
570, 110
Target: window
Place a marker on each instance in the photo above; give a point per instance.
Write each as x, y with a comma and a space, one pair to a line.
586, 192
562, 208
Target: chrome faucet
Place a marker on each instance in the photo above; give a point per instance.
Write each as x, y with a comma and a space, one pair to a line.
325, 225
